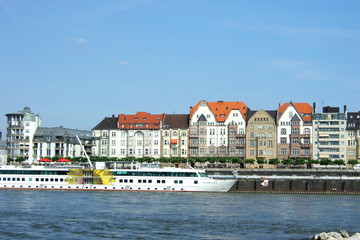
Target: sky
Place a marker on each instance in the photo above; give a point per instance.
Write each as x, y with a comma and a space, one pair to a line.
76, 62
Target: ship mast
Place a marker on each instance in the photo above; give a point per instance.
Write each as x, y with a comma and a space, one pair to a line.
87, 157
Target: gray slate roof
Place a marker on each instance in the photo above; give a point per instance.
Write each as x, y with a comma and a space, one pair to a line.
176, 121
272, 113
107, 123
61, 132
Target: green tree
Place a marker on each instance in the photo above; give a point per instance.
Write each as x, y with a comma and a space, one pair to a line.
326, 162
353, 162
261, 161
250, 161
20, 159
339, 162
298, 161
274, 161
287, 161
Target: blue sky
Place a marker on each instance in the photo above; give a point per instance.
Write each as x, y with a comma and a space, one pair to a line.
76, 62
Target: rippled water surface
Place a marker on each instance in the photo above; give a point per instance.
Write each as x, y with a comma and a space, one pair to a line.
146, 215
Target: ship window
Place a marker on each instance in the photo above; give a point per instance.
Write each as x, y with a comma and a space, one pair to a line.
51, 179
13, 179
131, 181
125, 180
56, 179
144, 181
163, 181
196, 182
158, 181
120, 180
41, 179
46, 179
139, 181
18, 179
9, 179
37, 179
175, 181
23, 179
181, 181
150, 181
61, 179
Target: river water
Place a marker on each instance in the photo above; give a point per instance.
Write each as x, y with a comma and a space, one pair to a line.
45, 214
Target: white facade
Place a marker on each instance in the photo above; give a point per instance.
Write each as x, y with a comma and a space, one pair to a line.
21, 127
329, 135
208, 135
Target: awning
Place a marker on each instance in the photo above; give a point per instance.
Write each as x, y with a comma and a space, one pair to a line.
44, 160
173, 141
63, 160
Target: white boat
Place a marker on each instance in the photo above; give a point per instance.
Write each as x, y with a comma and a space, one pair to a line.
130, 177
136, 177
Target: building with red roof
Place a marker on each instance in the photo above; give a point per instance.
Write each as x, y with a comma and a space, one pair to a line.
217, 129
295, 131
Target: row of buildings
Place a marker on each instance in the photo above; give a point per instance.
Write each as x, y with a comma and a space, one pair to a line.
210, 129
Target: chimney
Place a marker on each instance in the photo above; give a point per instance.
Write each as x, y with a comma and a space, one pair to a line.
314, 107
345, 109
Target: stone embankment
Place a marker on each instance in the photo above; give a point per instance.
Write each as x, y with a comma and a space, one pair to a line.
341, 235
304, 181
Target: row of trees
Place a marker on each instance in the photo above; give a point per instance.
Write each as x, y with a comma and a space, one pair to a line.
212, 160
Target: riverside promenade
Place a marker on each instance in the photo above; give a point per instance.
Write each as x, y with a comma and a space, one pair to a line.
301, 181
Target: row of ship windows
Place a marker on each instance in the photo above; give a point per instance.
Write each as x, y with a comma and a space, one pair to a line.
36, 179
120, 180
150, 181
105, 188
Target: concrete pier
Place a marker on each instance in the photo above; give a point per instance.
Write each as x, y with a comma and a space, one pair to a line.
303, 181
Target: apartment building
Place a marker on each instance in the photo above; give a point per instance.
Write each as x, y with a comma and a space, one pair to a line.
21, 127
329, 134
353, 135
60, 142
261, 133
217, 129
106, 138
294, 131
175, 136
140, 135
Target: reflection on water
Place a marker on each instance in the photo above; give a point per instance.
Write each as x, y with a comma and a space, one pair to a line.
147, 215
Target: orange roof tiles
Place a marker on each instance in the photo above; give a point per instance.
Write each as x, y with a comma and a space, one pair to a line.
304, 109
141, 120
221, 110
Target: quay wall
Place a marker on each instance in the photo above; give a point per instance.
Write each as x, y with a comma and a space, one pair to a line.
289, 181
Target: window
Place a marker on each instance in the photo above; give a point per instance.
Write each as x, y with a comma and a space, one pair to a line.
113, 134
104, 134
251, 152
307, 131
283, 151
175, 133
183, 133
166, 133
283, 131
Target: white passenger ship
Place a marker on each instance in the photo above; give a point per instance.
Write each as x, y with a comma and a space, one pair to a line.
135, 177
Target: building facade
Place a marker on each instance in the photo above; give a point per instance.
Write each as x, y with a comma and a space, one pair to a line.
60, 142
3, 153
217, 129
21, 127
106, 138
175, 136
353, 135
294, 131
261, 133
329, 134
